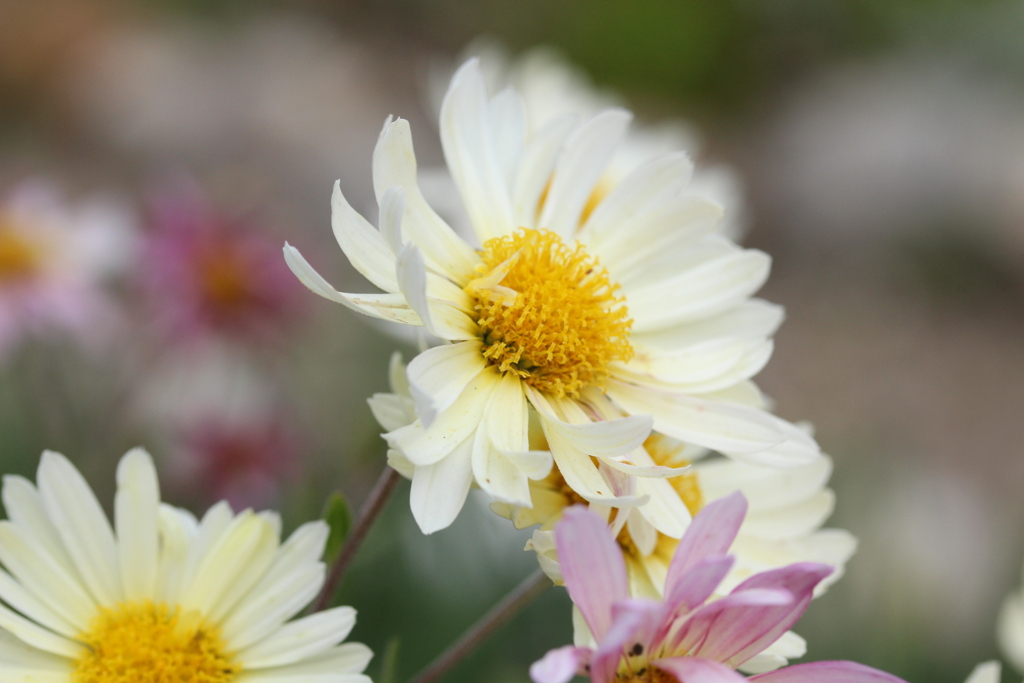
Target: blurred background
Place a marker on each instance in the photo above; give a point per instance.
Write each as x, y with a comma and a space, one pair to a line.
165, 150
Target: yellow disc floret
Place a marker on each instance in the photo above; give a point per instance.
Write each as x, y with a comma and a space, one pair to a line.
144, 642
548, 312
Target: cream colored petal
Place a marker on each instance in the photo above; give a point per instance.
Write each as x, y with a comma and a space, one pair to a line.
671, 226
38, 637
392, 307
507, 419
21, 599
22, 663
176, 532
581, 164
603, 439
400, 463
284, 676
412, 281
271, 606
687, 365
668, 373
643, 535
697, 293
81, 525
534, 464
497, 475
439, 375
506, 113
472, 155
135, 513
25, 508
765, 488
657, 180
1010, 630
299, 639
347, 659
753, 320
986, 672
536, 166
792, 522
426, 446
716, 425
230, 567
439, 490
394, 163
365, 248
664, 509
392, 208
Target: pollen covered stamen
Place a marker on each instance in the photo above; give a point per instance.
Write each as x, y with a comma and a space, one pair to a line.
144, 642
565, 322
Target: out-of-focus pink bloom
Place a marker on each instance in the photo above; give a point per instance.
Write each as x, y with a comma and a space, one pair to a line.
243, 463
209, 274
53, 264
683, 638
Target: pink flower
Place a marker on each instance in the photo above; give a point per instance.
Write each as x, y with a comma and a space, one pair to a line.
684, 638
206, 273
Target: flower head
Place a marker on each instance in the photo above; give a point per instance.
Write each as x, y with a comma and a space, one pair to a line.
685, 637
54, 263
208, 274
160, 596
595, 314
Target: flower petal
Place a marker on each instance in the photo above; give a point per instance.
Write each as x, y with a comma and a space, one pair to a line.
136, 511
827, 672
366, 249
535, 168
439, 490
592, 566
581, 163
560, 665
299, 639
439, 375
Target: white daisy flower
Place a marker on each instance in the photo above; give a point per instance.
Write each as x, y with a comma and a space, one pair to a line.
599, 318
160, 596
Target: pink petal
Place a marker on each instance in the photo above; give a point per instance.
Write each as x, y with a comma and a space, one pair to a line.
696, 629
738, 634
592, 567
697, 585
710, 534
697, 670
827, 672
633, 623
559, 666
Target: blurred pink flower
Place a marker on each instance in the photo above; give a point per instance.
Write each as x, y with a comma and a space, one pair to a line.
210, 274
243, 463
684, 638
54, 260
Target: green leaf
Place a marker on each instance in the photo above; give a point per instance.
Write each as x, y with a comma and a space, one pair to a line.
339, 519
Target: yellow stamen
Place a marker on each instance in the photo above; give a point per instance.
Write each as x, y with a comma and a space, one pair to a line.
565, 323
144, 642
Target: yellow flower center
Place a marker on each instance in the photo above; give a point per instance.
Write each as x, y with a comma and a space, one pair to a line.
19, 257
548, 312
144, 642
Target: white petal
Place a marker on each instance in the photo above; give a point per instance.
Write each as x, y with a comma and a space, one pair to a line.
669, 227
37, 636
177, 530
439, 490
986, 672
716, 425
25, 508
230, 566
507, 123
581, 164
536, 166
412, 281
135, 513
604, 439
534, 464
497, 475
300, 639
426, 446
439, 375
24, 664
766, 488
82, 526
792, 522
392, 411
365, 248
270, 605
471, 153
753, 320
394, 163
700, 292
344, 660
656, 181
18, 597
392, 208
506, 418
